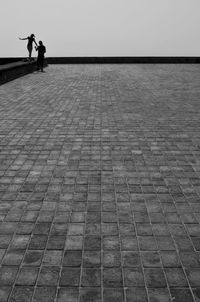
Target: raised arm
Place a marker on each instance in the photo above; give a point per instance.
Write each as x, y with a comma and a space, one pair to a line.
23, 38
35, 42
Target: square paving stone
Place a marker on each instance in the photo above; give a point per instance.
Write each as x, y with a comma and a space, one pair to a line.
20, 242
111, 243
133, 277
68, 294
78, 217
154, 277
52, 257
93, 217
48, 276
13, 257
111, 258
33, 257
129, 243
74, 243
44, 294
181, 295
183, 243
70, 276
110, 229
151, 259
8, 275
193, 275
27, 276
144, 229
92, 243
58, 229
90, 294
170, 259
42, 228
91, 259
130, 259
38, 242
76, 229
113, 295
176, 277
91, 277
165, 243
5, 241
72, 258
4, 293
190, 259
112, 277
22, 294
159, 294
93, 229
25, 228
147, 243
136, 294
56, 242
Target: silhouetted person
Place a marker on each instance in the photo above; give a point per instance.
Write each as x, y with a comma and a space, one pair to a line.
40, 59
31, 40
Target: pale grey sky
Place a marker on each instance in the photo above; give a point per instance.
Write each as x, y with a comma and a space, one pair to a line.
102, 27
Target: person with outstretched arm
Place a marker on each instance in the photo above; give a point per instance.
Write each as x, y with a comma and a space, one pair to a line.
31, 40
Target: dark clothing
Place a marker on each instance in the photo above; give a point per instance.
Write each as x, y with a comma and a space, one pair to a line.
40, 59
30, 41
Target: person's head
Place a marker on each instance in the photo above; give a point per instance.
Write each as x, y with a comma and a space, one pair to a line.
32, 36
40, 43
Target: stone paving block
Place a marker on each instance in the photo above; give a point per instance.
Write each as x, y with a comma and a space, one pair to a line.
70, 277
113, 294
91, 277
8, 275
133, 277
91, 259
176, 277
181, 295
72, 258
22, 294
68, 294
46, 294
112, 277
159, 294
155, 278
33, 257
90, 294
13, 257
52, 257
48, 276
4, 293
27, 276
111, 258
137, 294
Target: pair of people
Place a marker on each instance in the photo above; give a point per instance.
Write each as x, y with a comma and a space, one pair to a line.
40, 48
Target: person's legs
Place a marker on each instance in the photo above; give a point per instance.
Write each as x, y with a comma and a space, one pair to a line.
29, 51
42, 64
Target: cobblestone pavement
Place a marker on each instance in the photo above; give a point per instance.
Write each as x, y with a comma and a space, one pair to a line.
100, 184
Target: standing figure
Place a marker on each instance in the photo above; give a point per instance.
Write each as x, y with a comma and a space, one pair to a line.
40, 59
30, 39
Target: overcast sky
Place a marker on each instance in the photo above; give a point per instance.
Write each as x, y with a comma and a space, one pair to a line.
102, 27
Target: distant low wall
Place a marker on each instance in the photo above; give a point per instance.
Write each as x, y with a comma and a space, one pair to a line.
9, 60
123, 60
14, 70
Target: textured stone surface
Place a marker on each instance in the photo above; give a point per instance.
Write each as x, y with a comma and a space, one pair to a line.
100, 184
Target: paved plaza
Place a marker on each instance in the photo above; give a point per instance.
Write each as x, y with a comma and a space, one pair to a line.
100, 184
